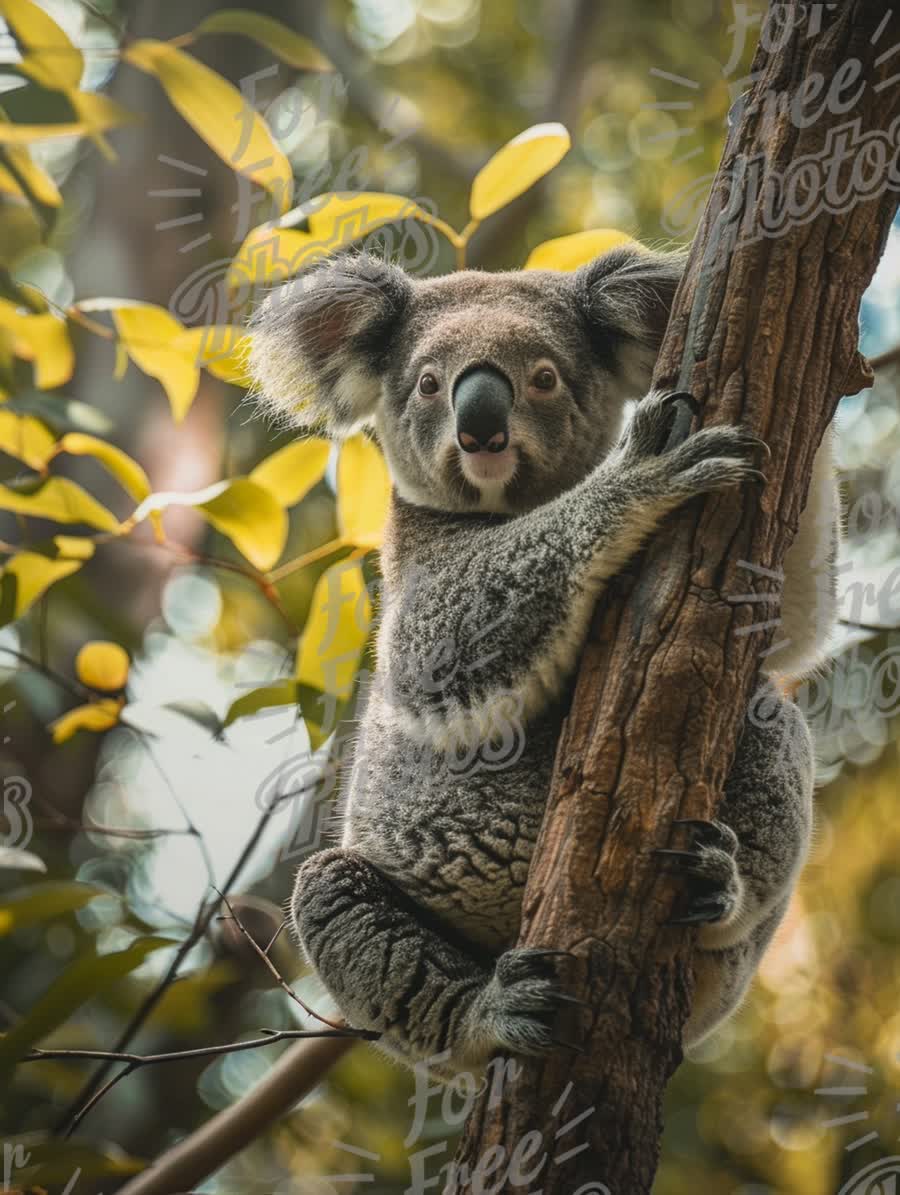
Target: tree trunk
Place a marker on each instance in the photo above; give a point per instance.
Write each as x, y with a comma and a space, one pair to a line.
763, 332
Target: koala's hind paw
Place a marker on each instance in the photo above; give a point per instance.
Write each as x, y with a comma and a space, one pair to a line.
714, 884
518, 1008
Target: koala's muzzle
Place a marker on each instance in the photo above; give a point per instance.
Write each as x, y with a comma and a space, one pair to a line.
482, 400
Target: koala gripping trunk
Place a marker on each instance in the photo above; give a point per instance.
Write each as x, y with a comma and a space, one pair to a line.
764, 332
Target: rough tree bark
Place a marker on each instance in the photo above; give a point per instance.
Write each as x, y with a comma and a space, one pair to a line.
764, 332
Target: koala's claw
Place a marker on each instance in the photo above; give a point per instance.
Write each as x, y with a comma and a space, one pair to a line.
566, 1045
684, 396
710, 867
711, 833
705, 910
519, 1007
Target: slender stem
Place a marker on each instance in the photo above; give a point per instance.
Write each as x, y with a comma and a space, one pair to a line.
135, 1061
269, 965
326, 549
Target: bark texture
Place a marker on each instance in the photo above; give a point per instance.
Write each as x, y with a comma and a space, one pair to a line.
764, 332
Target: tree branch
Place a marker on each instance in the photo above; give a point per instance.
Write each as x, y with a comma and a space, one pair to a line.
136, 1061
764, 332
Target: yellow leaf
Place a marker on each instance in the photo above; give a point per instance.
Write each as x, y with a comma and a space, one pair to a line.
220, 115
277, 250
516, 167
240, 509
27, 576
149, 333
568, 253
26, 439
74, 547
102, 665
277, 38
291, 472
364, 492
271, 254
125, 470
98, 112
339, 621
220, 348
97, 717
61, 500
36, 179
42, 339
337, 219
55, 63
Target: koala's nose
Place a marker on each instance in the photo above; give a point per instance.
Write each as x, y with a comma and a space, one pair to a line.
482, 399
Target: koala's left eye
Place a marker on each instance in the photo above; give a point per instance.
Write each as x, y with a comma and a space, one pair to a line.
545, 378
428, 384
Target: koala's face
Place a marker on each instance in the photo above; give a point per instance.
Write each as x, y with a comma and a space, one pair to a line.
491, 392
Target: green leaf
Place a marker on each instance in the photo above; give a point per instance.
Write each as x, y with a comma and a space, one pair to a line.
43, 902
63, 414
89, 976
277, 38
58, 499
291, 472
199, 712
219, 114
516, 167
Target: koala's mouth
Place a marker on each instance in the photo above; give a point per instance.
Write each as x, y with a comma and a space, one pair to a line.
489, 468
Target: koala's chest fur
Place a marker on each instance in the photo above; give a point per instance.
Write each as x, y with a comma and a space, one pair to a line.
455, 830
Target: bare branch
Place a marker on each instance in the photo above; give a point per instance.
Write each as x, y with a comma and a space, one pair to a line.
136, 1061
269, 965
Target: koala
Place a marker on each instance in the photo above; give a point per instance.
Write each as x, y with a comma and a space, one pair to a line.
498, 402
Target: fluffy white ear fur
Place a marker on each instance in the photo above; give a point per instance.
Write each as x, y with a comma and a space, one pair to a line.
316, 343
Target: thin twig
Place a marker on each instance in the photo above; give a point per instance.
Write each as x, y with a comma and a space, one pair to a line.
136, 1061
77, 1109
269, 965
887, 359
56, 677
191, 827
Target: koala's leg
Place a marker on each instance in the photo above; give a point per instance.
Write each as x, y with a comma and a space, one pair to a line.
742, 868
389, 971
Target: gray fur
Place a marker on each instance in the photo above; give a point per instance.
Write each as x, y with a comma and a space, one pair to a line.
489, 586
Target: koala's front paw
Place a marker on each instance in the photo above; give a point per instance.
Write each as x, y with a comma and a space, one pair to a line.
517, 1010
715, 889
710, 459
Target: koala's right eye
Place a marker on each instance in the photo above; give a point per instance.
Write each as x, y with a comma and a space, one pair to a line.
428, 385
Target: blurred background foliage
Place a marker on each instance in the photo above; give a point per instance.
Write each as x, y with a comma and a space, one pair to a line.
113, 834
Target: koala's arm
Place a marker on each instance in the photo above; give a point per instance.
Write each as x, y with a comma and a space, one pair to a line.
480, 612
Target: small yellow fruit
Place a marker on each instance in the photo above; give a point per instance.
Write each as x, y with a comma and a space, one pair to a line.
102, 665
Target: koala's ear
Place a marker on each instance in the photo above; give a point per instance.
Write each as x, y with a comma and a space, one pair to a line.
319, 343
625, 297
